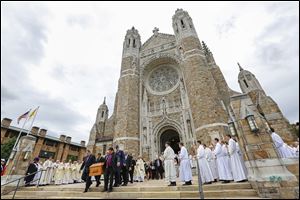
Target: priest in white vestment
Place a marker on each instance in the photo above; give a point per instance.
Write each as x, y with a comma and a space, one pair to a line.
170, 170
59, 173
238, 171
78, 173
210, 157
224, 170
279, 144
73, 171
140, 169
185, 168
66, 173
205, 172
38, 174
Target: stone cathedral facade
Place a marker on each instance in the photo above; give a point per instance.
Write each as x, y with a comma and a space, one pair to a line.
171, 89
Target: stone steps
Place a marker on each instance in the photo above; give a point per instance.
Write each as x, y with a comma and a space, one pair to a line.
213, 191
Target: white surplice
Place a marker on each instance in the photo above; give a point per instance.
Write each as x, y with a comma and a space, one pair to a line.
222, 163
170, 170
185, 170
37, 175
279, 144
210, 157
205, 172
59, 174
237, 168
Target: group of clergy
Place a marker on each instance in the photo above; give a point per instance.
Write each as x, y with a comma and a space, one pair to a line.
58, 172
284, 150
223, 162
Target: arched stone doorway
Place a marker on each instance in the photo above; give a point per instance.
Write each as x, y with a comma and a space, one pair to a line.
172, 136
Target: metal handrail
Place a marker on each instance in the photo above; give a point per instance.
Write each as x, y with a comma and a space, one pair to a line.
18, 184
200, 189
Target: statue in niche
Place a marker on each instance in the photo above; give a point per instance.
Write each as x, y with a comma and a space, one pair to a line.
164, 106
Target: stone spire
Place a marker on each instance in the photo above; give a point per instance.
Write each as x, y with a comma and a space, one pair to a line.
104, 100
241, 69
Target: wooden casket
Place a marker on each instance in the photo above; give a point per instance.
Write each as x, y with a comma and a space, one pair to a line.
96, 169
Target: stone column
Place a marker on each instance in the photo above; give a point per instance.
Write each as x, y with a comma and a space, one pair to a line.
60, 147
40, 142
22, 158
66, 149
82, 151
267, 173
5, 123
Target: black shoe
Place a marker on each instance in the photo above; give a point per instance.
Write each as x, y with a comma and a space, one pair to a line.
215, 180
131, 181
85, 190
242, 181
226, 182
124, 184
109, 190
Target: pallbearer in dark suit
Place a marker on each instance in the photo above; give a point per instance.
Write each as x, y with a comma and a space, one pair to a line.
99, 159
159, 167
131, 167
125, 168
110, 164
32, 168
87, 162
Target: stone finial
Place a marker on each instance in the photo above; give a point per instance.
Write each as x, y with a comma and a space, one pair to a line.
82, 143
43, 132
241, 69
104, 100
62, 138
35, 130
155, 30
68, 139
6, 122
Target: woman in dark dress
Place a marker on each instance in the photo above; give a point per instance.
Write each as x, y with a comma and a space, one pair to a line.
32, 168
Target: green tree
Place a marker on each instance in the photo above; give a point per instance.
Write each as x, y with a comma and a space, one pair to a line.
6, 148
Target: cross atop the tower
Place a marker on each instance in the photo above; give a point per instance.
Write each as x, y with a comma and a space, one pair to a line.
155, 30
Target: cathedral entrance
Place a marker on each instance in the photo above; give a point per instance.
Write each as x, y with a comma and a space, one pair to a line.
173, 137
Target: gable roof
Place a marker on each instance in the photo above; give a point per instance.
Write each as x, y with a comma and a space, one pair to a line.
158, 39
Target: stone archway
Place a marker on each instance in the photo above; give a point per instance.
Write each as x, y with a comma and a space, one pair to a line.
172, 136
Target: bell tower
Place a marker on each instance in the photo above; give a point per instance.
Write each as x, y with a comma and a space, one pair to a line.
208, 114
126, 133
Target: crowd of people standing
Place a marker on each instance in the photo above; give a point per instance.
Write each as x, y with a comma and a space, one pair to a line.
222, 160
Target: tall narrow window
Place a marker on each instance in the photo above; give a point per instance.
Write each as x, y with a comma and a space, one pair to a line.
245, 83
104, 149
182, 24
133, 42
102, 114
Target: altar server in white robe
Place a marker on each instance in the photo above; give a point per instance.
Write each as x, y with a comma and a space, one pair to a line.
140, 169
55, 166
66, 173
185, 170
38, 175
59, 174
205, 172
224, 170
69, 172
73, 171
78, 174
170, 170
50, 171
240, 153
279, 144
238, 172
210, 157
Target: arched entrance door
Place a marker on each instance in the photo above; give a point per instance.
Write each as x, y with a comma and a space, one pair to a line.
173, 137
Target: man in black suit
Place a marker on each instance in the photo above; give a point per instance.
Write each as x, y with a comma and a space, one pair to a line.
99, 159
131, 167
125, 168
32, 169
87, 162
159, 167
110, 164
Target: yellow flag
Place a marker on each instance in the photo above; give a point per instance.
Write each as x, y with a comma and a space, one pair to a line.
33, 112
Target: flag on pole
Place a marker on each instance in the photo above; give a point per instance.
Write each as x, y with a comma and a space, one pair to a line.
25, 115
33, 112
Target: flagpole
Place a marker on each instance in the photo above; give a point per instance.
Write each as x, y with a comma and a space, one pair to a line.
15, 145
33, 120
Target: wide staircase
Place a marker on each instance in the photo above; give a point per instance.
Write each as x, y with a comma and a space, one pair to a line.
151, 189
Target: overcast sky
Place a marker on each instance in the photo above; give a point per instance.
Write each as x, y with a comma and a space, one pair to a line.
65, 57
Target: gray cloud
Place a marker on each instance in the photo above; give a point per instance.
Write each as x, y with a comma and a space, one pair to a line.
277, 58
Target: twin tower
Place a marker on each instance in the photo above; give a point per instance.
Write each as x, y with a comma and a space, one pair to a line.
170, 89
